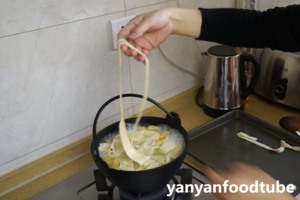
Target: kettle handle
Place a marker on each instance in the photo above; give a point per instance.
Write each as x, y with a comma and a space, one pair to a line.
251, 58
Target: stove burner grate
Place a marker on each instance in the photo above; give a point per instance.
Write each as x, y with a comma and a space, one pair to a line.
112, 192
154, 195
160, 194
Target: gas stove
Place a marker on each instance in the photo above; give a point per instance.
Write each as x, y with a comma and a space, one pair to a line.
101, 189
83, 186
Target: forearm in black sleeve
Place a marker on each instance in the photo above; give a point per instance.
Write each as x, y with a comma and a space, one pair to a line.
277, 28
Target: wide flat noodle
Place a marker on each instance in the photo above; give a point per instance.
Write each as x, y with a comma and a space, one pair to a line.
117, 147
279, 150
160, 159
129, 149
125, 167
151, 135
103, 147
147, 147
153, 165
148, 162
286, 145
168, 145
123, 158
136, 136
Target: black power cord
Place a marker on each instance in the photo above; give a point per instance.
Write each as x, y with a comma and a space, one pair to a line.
197, 97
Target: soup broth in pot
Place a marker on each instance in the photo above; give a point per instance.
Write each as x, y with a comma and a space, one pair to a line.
161, 143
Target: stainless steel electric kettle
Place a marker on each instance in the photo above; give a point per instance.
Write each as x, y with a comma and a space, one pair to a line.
225, 83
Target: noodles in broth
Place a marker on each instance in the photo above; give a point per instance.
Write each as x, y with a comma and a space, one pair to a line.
140, 147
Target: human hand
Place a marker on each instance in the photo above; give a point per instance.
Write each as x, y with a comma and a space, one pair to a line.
148, 30
245, 174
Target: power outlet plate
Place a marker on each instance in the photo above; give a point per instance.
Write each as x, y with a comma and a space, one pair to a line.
116, 25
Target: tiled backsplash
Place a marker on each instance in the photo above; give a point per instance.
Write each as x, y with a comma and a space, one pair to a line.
266, 4
57, 68
22, 16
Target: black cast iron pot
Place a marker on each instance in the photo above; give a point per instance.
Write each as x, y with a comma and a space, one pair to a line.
145, 180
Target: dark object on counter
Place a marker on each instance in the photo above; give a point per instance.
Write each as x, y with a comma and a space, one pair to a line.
145, 180
216, 144
198, 95
225, 86
290, 123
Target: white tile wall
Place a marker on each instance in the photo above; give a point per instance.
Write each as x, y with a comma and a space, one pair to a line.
266, 4
57, 69
21, 16
130, 4
53, 81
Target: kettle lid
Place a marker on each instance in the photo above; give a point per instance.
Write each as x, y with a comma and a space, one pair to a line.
224, 50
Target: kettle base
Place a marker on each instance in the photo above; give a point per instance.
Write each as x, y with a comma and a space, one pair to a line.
216, 112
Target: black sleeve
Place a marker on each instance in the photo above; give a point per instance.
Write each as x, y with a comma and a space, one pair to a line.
277, 28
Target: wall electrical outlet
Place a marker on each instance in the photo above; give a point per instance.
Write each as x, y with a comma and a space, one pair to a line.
116, 25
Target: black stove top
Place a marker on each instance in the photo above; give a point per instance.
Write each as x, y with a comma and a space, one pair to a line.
70, 188
159, 194
101, 189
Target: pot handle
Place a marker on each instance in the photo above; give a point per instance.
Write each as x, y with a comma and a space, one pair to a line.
251, 58
169, 115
